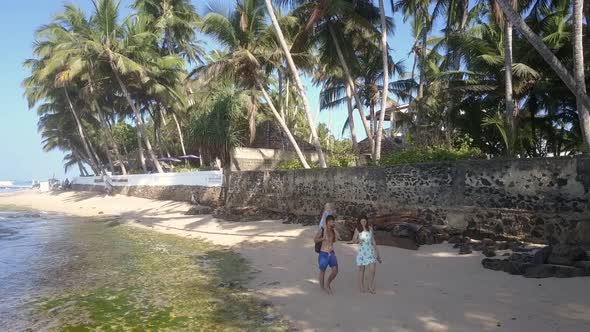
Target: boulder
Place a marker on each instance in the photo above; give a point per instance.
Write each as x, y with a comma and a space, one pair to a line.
455, 239
425, 236
345, 230
585, 265
517, 268
465, 249
489, 252
386, 239
488, 242
514, 245
405, 230
478, 246
199, 210
553, 270
541, 255
521, 257
566, 255
506, 265
494, 264
503, 245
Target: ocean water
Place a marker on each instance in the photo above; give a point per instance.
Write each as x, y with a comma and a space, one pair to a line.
16, 186
24, 237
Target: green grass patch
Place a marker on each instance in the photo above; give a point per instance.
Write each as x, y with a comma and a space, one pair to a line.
141, 280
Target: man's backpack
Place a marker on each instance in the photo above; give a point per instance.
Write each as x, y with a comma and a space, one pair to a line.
318, 245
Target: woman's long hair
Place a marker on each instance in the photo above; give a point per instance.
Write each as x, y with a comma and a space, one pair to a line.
359, 226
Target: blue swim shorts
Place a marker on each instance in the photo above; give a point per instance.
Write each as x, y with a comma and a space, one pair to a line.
326, 259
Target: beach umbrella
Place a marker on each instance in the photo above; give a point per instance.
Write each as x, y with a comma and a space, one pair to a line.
170, 160
189, 156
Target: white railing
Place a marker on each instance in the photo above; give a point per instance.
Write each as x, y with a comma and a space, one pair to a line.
204, 179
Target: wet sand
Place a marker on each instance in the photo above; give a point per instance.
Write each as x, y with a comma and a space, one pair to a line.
432, 289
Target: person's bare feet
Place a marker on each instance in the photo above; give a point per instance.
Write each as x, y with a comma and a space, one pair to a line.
329, 290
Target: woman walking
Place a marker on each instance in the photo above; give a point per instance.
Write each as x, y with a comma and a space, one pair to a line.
368, 254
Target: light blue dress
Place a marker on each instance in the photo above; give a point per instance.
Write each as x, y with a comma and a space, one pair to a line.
366, 254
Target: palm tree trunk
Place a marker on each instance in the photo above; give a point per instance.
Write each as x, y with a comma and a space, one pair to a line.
109, 157
93, 164
350, 82
83, 171
537, 42
97, 158
422, 65
351, 118
509, 111
298, 83
385, 81
282, 109
180, 136
138, 119
422, 79
282, 123
579, 71
141, 152
287, 93
373, 123
108, 134
80, 156
316, 124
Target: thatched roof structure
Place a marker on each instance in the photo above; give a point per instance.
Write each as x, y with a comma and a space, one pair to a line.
270, 136
388, 144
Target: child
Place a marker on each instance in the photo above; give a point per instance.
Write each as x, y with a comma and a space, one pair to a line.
328, 211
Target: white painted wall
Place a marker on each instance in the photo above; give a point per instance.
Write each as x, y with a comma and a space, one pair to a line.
204, 179
44, 186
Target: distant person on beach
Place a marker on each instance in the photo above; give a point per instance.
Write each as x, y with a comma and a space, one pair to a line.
108, 184
368, 254
327, 257
328, 211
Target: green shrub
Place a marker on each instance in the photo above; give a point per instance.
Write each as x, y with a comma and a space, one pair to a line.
430, 154
289, 165
182, 169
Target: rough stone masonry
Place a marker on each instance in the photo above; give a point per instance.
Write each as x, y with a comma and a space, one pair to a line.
539, 200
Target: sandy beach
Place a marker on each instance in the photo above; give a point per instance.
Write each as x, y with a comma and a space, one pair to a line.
432, 289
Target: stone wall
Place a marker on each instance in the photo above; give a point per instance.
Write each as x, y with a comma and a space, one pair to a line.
535, 199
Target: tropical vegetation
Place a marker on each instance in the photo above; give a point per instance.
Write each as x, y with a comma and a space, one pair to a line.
122, 94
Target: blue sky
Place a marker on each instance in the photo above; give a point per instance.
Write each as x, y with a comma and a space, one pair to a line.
20, 145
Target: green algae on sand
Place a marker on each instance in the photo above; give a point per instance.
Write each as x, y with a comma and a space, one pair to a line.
140, 280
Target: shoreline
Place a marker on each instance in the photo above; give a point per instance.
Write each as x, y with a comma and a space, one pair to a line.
432, 289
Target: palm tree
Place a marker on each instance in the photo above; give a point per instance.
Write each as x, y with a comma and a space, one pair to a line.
333, 23
175, 23
249, 46
384, 93
298, 83
42, 85
537, 42
57, 130
421, 24
579, 69
219, 124
510, 109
